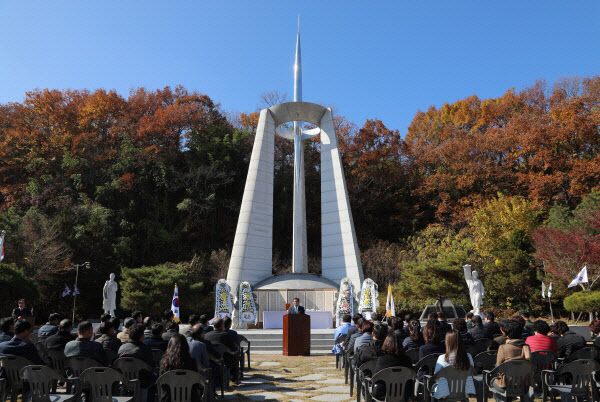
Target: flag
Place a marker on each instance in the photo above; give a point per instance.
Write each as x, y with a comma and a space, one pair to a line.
2, 246
175, 304
390, 309
67, 291
550, 290
75, 291
580, 278
543, 290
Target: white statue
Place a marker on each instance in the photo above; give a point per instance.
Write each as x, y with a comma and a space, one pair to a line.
109, 296
475, 289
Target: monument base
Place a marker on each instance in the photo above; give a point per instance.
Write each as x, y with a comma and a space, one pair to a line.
451, 312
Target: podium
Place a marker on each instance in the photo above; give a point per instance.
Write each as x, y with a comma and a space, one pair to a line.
296, 335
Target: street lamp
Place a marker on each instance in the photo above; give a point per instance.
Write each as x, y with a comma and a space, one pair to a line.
76, 290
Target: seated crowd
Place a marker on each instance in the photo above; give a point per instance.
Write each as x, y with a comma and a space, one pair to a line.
390, 343
158, 344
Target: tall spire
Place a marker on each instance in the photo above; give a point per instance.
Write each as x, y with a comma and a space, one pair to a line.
299, 240
298, 68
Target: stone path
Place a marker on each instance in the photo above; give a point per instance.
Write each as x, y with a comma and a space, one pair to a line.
280, 378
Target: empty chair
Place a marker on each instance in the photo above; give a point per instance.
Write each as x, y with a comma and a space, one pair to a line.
42, 384
579, 375
455, 380
485, 361
542, 360
398, 383
12, 367
56, 358
425, 366
100, 381
135, 369
339, 356
244, 349
518, 378
182, 386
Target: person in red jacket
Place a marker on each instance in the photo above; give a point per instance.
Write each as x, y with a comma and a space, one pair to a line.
541, 340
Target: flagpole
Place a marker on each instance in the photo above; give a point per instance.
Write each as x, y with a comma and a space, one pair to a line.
75, 291
551, 313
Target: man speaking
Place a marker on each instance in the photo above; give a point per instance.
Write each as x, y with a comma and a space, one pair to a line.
296, 308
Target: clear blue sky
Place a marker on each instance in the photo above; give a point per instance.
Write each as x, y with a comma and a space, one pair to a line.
371, 59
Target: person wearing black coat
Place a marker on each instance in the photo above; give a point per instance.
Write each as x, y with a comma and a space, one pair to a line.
219, 335
155, 340
62, 337
393, 354
172, 328
372, 350
478, 331
19, 345
492, 328
84, 346
7, 329
135, 346
569, 342
461, 327
233, 335
107, 338
21, 311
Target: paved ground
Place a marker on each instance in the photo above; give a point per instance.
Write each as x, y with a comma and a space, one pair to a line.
280, 378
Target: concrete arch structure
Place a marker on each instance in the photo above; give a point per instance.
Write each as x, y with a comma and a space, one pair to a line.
251, 257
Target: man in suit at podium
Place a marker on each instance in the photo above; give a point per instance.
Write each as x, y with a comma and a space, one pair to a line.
296, 308
22, 311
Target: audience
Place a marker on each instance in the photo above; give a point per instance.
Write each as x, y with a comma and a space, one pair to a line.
354, 336
172, 328
443, 325
594, 331
103, 318
457, 357
514, 348
84, 346
433, 342
372, 350
491, 327
124, 335
107, 338
352, 330
477, 331
568, 342
192, 321
19, 344
397, 326
469, 320
415, 337
499, 340
461, 327
198, 348
135, 346
148, 324
233, 335
116, 323
60, 339
138, 316
393, 354
155, 340
204, 321
177, 357
50, 328
344, 328
168, 317
528, 326
366, 336
522, 323
7, 329
541, 340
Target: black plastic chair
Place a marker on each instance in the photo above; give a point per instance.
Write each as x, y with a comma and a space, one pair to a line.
2, 389
518, 374
456, 380
244, 350
363, 376
542, 360
12, 367
577, 378
220, 366
135, 369
75, 365
427, 366
111, 356
482, 345
413, 354
42, 384
179, 385
587, 352
339, 358
157, 355
101, 380
485, 361
398, 382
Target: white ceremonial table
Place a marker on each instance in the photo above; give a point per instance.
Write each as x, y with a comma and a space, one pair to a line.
318, 319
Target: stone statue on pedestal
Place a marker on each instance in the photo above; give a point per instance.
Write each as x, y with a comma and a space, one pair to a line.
109, 296
475, 289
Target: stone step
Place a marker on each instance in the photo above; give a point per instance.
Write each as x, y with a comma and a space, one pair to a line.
266, 342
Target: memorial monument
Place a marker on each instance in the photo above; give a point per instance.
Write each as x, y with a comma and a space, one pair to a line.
251, 256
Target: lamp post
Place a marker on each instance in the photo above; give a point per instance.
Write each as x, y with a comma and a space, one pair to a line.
85, 264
